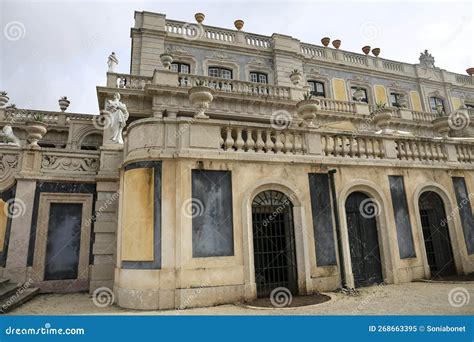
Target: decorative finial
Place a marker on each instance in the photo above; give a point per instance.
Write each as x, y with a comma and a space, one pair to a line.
239, 24
199, 17
63, 103
336, 43
325, 41
366, 50
3, 98
376, 52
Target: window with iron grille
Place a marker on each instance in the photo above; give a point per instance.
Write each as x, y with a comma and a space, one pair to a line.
317, 88
182, 68
395, 99
220, 72
435, 103
364, 99
258, 77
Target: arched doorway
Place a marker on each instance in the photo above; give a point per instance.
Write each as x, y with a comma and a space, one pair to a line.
363, 239
273, 243
436, 235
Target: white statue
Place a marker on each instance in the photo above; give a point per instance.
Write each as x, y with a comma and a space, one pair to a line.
9, 137
112, 62
118, 118
426, 59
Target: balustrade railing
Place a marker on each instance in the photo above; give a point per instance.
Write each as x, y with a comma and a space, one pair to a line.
313, 51
337, 106
265, 140
125, 81
418, 150
465, 153
355, 59
423, 116
340, 145
234, 86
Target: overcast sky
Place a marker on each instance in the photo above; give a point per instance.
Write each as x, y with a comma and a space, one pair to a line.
49, 48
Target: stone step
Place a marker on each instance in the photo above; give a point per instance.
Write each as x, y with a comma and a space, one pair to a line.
17, 299
7, 289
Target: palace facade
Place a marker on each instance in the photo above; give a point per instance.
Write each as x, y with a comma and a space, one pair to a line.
227, 164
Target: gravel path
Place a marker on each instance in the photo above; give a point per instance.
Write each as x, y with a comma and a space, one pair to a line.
418, 298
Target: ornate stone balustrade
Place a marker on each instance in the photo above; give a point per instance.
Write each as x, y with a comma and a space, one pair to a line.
465, 153
343, 145
235, 87
13, 116
257, 140
67, 162
337, 106
420, 150
355, 58
423, 116
125, 81
313, 51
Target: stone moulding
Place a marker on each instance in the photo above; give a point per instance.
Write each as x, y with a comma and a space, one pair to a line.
8, 166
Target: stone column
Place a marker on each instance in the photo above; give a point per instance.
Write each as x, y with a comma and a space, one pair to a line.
106, 218
17, 257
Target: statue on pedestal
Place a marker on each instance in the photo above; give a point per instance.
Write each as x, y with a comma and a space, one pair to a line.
426, 59
118, 116
112, 62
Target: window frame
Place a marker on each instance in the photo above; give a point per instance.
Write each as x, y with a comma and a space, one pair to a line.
258, 74
180, 65
315, 92
220, 70
437, 101
353, 89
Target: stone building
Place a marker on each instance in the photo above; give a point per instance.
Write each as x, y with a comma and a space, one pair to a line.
246, 163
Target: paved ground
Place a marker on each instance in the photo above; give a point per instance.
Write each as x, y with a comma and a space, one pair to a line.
408, 299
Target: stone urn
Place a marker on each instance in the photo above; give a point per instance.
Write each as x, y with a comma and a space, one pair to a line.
381, 118
35, 130
199, 17
325, 41
366, 49
307, 110
376, 52
296, 77
441, 125
359, 95
3, 98
336, 43
200, 97
239, 24
470, 71
63, 103
166, 60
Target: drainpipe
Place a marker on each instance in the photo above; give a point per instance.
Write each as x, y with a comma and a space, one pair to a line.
338, 227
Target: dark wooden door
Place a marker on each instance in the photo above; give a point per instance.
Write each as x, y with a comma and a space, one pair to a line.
436, 235
363, 242
273, 243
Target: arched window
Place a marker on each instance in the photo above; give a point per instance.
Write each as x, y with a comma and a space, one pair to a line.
317, 88
182, 68
215, 71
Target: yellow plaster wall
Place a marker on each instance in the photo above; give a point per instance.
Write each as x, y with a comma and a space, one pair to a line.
138, 215
380, 94
415, 100
339, 86
456, 102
